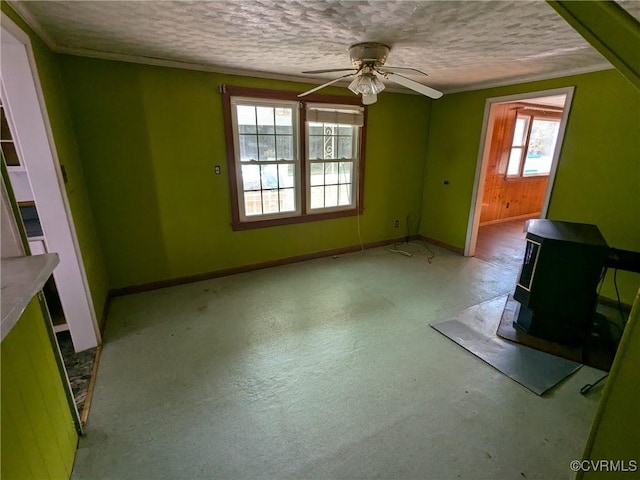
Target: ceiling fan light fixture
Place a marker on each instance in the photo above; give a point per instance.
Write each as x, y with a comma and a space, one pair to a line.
366, 84
367, 59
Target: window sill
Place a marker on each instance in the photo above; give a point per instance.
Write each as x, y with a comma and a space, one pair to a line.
516, 178
312, 217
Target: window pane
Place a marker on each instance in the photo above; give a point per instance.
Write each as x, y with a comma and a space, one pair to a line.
331, 196
246, 119
287, 200
331, 173
266, 133
266, 147
520, 131
270, 202
286, 175
315, 147
253, 203
284, 144
317, 174
514, 161
345, 147
344, 175
251, 177
265, 120
344, 195
542, 144
269, 176
248, 147
317, 197
345, 130
315, 128
284, 121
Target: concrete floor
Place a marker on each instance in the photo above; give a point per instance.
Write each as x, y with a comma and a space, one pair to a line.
322, 369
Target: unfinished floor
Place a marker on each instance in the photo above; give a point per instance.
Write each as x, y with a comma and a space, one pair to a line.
322, 369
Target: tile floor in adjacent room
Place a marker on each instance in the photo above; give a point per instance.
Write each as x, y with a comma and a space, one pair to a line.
79, 367
322, 369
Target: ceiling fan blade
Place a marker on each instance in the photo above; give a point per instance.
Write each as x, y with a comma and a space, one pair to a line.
324, 85
385, 68
332, 70
413, 85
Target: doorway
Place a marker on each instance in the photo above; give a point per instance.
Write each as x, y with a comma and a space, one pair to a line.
38, 169
521, 140
41, 206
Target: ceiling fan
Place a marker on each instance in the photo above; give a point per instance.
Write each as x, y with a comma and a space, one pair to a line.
368, 62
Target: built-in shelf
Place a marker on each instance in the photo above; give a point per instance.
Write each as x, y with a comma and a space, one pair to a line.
22, 279
63, 327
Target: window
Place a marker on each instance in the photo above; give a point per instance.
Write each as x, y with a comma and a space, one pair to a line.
536, 135
332, 139
265, 139
292, 161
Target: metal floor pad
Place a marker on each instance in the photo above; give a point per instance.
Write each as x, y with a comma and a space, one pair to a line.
535, 370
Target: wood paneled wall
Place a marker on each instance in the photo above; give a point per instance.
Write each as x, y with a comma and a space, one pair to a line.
38, 434
514, 197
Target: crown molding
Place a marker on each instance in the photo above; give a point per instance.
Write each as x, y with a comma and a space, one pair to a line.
161, 62
531, 78
33, 22
29, 19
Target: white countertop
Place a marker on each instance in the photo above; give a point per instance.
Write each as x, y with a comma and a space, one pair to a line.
22, 278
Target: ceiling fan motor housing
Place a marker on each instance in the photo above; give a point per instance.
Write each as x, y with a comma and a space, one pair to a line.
368, 53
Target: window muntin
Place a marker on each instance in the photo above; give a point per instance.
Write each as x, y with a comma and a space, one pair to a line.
269, 160
533, 145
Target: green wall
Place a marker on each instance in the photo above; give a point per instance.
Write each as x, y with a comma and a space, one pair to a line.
56, 102
598, 177
615, 434
149, 138
38, 434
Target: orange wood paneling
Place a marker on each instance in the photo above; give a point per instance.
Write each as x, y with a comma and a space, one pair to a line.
506, 198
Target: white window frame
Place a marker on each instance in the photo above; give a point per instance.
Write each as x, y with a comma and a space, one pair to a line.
349, 110
259, 102
531, 118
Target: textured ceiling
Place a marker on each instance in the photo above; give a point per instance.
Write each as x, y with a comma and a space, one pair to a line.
461, 45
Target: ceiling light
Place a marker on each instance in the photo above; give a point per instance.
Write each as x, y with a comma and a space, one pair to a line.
369, 99
366, 84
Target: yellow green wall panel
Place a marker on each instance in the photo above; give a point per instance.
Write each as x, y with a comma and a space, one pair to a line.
39, 438
610, 29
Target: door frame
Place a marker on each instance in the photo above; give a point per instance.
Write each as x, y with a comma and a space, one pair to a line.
483, 157
24, 100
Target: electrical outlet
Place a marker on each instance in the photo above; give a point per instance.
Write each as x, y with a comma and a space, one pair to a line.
396, 223
218, 170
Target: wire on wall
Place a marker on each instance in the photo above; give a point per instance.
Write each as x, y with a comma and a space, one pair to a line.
615, 284
358, 213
